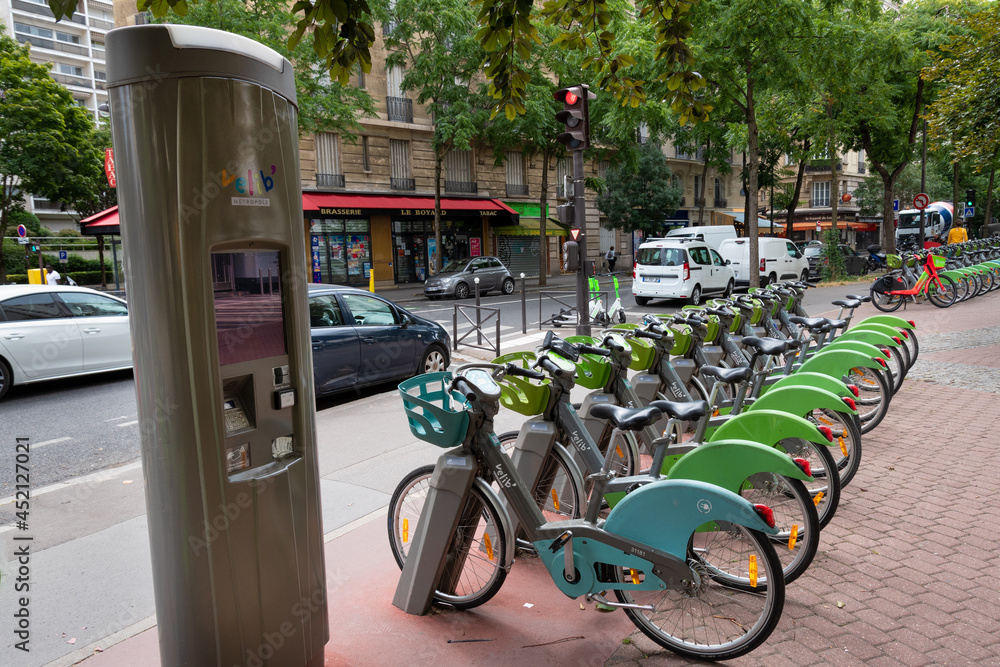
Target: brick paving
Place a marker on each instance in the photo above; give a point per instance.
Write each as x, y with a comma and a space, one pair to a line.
908, 572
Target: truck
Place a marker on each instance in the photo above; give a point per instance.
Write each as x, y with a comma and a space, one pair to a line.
938, 217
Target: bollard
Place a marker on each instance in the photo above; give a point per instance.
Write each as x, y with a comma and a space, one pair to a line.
479, 331
524, 309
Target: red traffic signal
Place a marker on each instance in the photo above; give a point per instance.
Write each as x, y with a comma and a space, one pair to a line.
575, 116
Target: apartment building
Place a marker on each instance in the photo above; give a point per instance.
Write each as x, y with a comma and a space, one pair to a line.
75, 48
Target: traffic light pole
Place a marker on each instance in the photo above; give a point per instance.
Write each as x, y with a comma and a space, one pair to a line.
580, 212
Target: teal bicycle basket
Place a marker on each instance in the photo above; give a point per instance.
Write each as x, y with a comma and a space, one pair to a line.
435, 415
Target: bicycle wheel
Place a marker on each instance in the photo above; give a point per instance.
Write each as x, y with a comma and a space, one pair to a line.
725, 616
795, 517
887, 303
474, 570
825, 487
962, 289
557, 491
943, 296
896, 369
874, 395
846, 451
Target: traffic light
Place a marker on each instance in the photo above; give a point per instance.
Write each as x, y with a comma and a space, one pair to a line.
571, 256
34, 247
575, 116
970, 198
566, 214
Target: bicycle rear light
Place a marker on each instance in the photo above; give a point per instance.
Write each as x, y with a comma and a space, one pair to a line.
898, 341
887, 352
765, 513
911, 323
881, 361
854, 389
905, 334
825, 432
850, 403
804, 466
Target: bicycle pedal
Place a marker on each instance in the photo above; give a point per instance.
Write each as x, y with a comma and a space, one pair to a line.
600, 601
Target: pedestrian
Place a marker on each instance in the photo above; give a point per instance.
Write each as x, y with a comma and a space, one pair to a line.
957, 234
610, 256
52, 277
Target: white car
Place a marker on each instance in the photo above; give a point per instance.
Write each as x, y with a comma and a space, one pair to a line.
679, 268
49, 332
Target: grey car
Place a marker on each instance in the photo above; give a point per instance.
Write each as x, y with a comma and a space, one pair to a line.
457, 278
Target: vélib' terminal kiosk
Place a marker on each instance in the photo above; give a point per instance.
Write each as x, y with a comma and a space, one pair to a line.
206, 144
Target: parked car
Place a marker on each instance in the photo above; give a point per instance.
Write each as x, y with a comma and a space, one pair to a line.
360, 339
679, 269
855, 264
457, 278
779, 260
49, 332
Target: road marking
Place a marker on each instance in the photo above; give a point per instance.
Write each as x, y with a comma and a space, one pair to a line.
36, 445
93, 478
357, 523
127, 423
114, 419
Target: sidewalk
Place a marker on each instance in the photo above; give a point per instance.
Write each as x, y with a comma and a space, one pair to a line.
907, 574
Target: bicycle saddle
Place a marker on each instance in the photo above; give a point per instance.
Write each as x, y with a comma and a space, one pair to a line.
727, 375
767, 346
857, 297
811, 323
685, 411
627, 419
844, 303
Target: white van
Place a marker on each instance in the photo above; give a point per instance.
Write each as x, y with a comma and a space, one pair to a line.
679, 268
779, 260
713, 235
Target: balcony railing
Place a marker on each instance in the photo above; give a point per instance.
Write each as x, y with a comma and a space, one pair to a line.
861, 167
388, 27
54, 45
399, 109
681, 155
461, 187
72, 80
721, 203
517, 190
819, 202
819, 166
101, 24
682, 201
698, 203
402, 184
329, 180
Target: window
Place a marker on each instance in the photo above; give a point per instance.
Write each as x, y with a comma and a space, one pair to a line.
479, 264
369, 311
324, 311
72, 70
365, 160
719, 193
399, 164
458, 172
699, 194
602, 169
328, 161
660, 257
642, 133
700, 255
515, 175
361, 77
717, 259
394, 76
98, 47
792, 249
68, 38
100, 76
33, 30
821, 194
92, 305
861, 161
32, 307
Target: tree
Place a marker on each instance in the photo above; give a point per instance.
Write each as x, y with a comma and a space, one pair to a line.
640, 197
433, 40
44, 136
324, 104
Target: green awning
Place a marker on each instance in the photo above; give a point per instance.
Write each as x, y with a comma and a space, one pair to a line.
531, 227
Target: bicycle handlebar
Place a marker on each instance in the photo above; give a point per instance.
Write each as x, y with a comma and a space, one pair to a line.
513, 369
549, 366
600, 351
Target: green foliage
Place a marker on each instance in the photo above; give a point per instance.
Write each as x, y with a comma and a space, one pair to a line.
938, 187
639, 196
96, 195
833, 264
324, 104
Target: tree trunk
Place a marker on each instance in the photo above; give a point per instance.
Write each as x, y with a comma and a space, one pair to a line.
988, 211
746, 194
3, 234
834, 176
753, 150
955, 201
543, 249
704, 183
438, 159
793, 204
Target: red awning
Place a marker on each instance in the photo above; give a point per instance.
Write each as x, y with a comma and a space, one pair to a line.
826, 224
105, 222
354, 204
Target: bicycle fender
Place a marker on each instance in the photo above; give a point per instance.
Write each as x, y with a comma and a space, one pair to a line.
838, 362
876, 326
504, 516
869, 336
800, 400
665, 514
892, 320
728, 463
857, 345
769, 427
831, 384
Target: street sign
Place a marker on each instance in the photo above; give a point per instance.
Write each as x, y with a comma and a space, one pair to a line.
24, 240
63, 257
22, 231
574, 234
921, 201
970, 211
895, 205
109, 167
818, 228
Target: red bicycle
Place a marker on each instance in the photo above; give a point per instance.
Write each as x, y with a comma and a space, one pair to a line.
891, 291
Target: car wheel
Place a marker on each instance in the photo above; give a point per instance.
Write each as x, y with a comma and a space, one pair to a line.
729, 290
461, 291
641, 300
6, 378
805, 276
434, 360
508, 286
771, 279
696, 296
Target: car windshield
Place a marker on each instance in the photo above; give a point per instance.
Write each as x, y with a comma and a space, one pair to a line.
454, 267
661, 256
813, 251
912, 220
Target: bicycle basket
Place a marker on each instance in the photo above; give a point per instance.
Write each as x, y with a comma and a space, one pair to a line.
528, 397
894, 261
592, 371
435, 415
682, 339
643, 352
939, 261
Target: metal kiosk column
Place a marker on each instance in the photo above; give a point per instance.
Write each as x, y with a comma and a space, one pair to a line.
206, 140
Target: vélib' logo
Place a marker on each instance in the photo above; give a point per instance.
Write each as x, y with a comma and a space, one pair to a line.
254, 186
